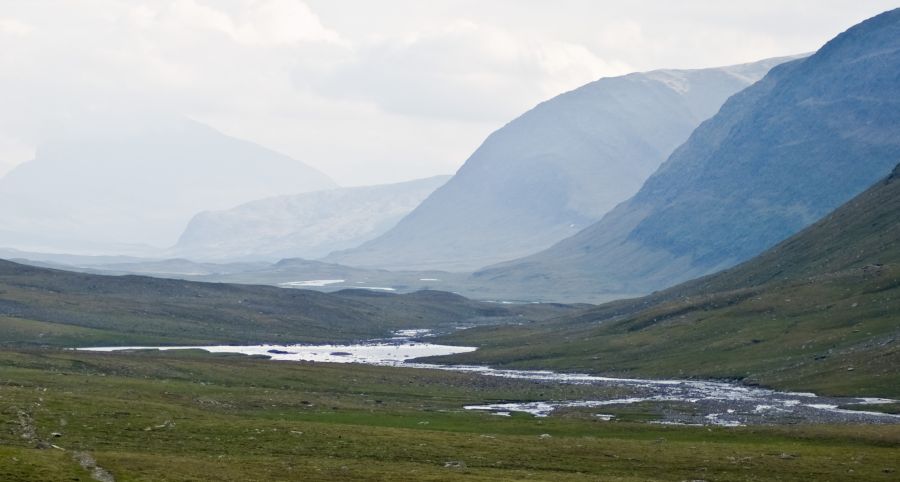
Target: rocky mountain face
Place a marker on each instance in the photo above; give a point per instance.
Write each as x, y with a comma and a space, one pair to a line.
555, 170
778, 156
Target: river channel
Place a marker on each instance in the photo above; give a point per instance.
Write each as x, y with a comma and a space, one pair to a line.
692, 402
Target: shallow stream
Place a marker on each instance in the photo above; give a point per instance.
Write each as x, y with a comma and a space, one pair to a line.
692, 402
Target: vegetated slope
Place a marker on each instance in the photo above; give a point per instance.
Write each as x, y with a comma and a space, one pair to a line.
116, 182
289, 272
778, 156
819, 311
285, 273
50, 307
554, 170
308, 225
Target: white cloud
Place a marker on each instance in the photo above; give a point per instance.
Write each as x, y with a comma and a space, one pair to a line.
366, 91
263, 23
463, 70
196, 15
278, 22
11, 26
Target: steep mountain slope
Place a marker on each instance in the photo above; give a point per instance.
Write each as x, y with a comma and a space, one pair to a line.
40, 306
308, 225
819, 311
779, 155
555, 169
125, 181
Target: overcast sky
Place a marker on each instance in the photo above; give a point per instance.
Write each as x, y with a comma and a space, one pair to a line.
366, 91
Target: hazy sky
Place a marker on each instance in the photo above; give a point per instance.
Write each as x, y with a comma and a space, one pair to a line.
367, 91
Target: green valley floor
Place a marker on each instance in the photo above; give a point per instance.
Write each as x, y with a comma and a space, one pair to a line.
194, 416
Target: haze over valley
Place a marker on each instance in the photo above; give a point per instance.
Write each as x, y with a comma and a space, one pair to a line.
309, 240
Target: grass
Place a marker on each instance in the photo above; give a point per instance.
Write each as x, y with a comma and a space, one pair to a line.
196, 416
45, 307
818, 312
831, 336
190, 415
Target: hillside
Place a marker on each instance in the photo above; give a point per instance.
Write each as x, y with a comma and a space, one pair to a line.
308, 225
554, 170
778, 156
819, 311
140, 180
40, 306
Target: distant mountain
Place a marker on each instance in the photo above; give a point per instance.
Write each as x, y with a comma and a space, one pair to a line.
778, 156
308, 225
116, 183
819, 311
554, 170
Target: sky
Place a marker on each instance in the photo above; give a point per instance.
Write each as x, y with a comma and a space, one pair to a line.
366, 91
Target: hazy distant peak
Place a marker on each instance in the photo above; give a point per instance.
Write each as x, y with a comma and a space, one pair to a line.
554, 170
307, 225
131, 179
753, 71
674, 79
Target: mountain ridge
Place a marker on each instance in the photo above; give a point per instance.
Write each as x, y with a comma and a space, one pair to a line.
307, 225
140, 179
782, 153
818, 311
553, 170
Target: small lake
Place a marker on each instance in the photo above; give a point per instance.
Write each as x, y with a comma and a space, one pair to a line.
707, 402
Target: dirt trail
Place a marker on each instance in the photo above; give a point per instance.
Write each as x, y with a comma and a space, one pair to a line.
26, 426
87, 461
29, 432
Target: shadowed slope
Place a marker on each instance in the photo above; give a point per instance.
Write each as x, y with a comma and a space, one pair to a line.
819, 311
778, 156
